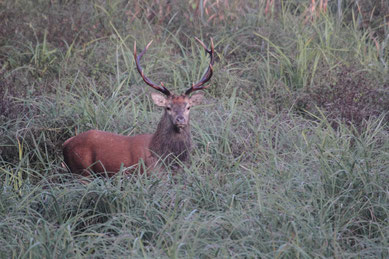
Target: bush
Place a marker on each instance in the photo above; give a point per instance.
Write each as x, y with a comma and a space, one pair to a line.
348, 94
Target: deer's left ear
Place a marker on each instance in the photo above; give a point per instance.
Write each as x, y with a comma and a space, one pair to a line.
196, 99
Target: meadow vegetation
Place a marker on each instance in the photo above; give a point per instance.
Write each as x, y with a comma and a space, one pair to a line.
291, 156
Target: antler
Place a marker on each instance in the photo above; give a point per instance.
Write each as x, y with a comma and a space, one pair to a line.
208, 74
161, 87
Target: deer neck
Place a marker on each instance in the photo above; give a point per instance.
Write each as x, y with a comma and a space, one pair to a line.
169, 140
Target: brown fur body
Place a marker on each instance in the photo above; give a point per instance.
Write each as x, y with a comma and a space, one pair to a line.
102, 151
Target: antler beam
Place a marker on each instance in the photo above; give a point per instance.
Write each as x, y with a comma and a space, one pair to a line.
208, 74
160, 87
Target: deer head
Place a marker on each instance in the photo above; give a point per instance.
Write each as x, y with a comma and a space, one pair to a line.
177, 107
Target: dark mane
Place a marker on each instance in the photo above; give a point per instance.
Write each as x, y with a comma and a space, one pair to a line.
169, 142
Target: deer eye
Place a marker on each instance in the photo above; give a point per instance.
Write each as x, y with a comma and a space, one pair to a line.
188, 108
168, 108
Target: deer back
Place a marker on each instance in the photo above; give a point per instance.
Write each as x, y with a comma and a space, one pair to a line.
101, 151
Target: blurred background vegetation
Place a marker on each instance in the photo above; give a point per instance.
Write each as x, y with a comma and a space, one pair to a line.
291, 147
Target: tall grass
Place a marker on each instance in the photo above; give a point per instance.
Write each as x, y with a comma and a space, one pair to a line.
276, 172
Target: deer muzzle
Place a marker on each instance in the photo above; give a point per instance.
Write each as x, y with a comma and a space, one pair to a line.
180, 121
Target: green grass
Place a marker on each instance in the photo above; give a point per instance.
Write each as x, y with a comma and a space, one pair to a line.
279, 170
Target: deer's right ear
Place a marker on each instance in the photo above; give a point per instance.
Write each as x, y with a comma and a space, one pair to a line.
159, 99
196, 99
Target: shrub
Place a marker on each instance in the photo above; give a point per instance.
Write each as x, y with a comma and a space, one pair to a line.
349, 94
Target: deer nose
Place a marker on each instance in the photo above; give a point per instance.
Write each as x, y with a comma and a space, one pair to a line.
180, 119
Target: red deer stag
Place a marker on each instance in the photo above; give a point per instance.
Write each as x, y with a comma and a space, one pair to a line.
100, 151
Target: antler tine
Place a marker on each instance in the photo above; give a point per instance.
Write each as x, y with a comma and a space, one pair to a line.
208, 74
161, 87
